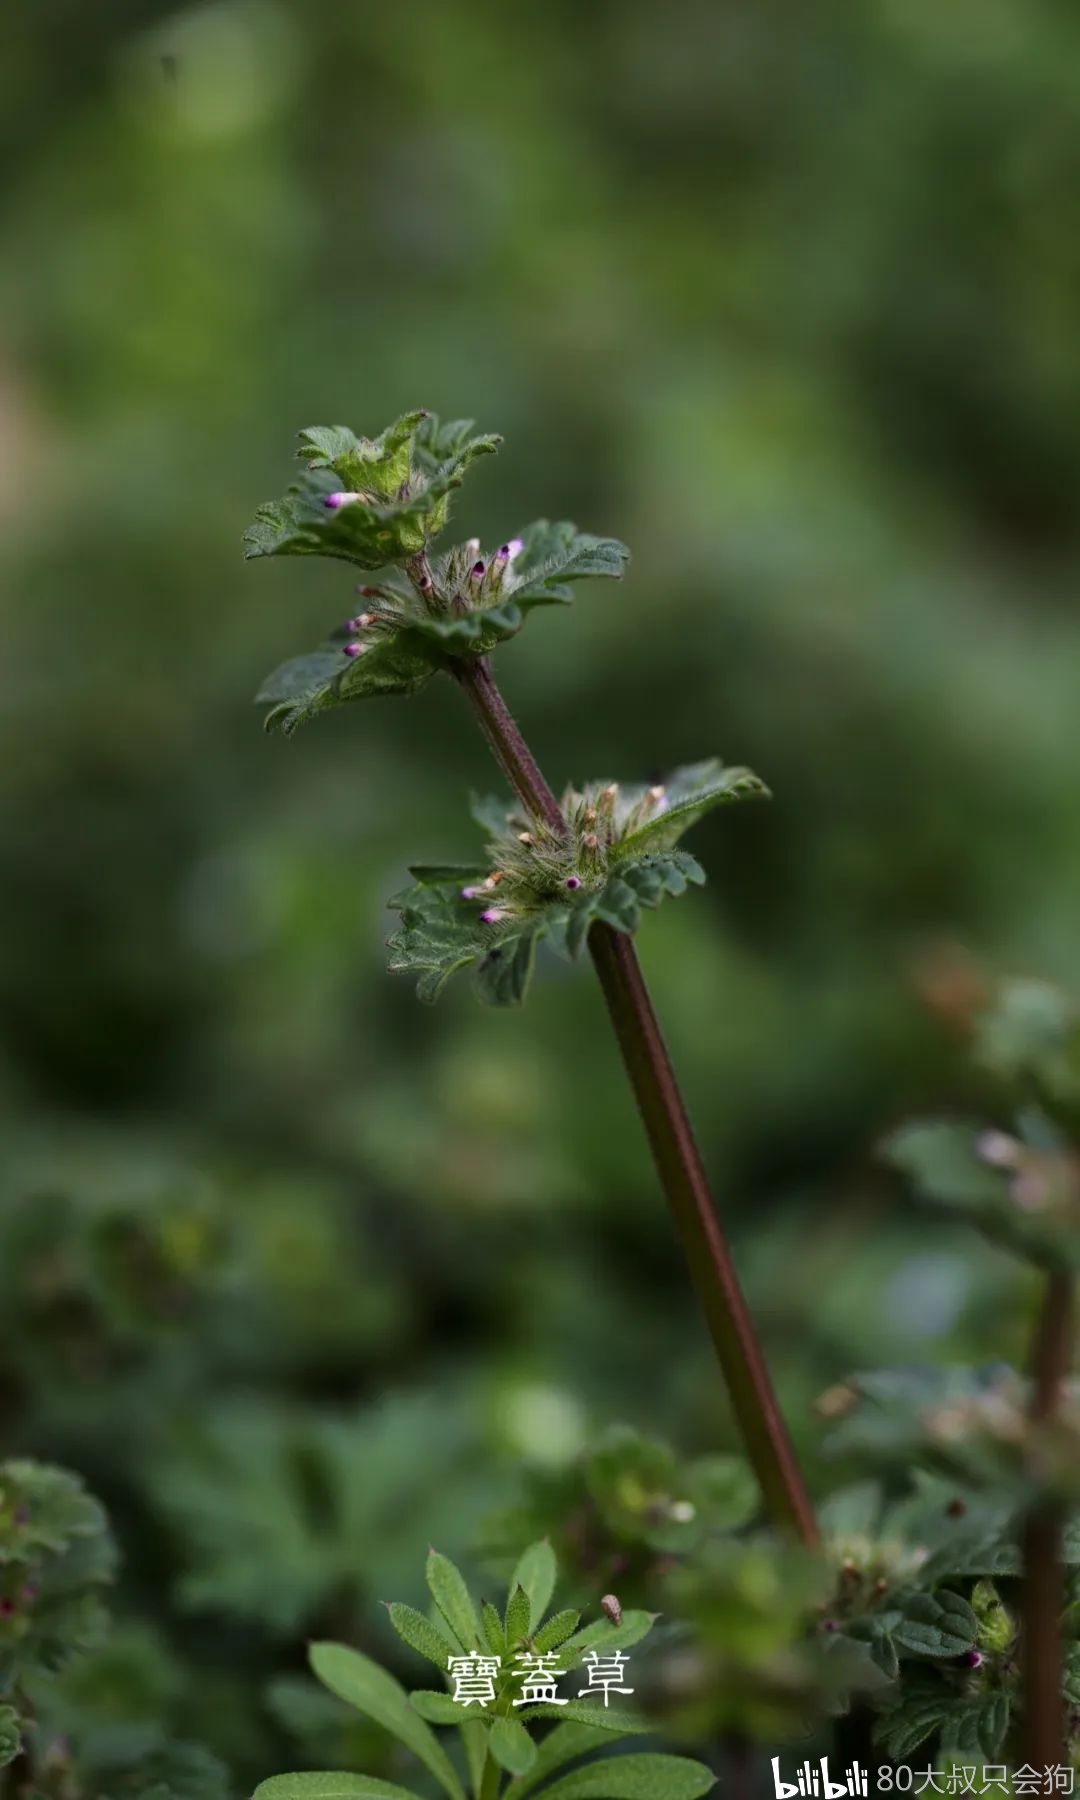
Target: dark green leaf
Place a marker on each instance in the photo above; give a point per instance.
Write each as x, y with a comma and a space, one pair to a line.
941, 1624
553, 555
363, 1684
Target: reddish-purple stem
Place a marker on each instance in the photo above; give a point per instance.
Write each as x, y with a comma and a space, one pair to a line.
671, 1139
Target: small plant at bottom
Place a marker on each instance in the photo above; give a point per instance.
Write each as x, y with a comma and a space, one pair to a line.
501, 1672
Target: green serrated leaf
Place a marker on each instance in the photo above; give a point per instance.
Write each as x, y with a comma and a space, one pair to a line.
379, 466
397, 664
494, 1635
603, 1637
511, 1746
517, 1617
689, 794
447, 1588
557, 1629
976, 1727
361, 1682
973, 1553
504, 972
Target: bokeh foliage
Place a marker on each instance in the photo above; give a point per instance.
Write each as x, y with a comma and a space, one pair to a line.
787, 300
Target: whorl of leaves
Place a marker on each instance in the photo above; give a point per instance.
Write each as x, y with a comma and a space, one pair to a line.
393, 499
617, 856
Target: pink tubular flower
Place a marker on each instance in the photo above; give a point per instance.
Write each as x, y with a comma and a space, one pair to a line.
493, 914
514, 548
477, 571
573, 882
333, 501
354, 650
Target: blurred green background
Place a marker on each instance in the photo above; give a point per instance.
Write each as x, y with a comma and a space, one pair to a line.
298, 1273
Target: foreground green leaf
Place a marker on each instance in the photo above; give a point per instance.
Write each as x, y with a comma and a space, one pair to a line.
365, 1685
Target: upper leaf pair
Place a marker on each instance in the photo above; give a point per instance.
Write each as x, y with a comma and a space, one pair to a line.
380, 504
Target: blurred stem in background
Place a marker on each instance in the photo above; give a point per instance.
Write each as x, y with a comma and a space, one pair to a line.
1043, 1590
675, 1152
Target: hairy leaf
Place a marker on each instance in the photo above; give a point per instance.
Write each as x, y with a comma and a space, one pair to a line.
557, 1629
334, 1784
535, 1575
419, 1633
446, 1584
494, 1635
635, 1777
570, 1739
689, 794
553, 555
517, 1617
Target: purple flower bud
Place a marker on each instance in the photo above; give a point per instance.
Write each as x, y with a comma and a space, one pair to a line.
973, 1658
493, 914
354, 649
477, 571
471, 893
351, 625
333, 501
502, 554
573, 882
